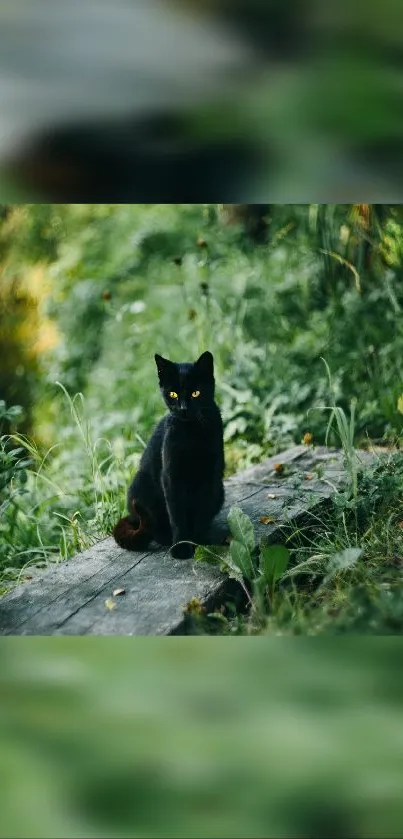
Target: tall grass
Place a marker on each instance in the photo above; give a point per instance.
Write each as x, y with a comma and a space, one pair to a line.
67, 500
346, 431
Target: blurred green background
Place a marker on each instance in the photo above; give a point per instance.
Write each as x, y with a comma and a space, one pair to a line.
88, 294
282, 102
200, 738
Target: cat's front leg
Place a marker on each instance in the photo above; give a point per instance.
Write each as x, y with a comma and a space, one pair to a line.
177, 501
206, 503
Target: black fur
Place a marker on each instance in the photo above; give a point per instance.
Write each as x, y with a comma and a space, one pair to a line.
178, 488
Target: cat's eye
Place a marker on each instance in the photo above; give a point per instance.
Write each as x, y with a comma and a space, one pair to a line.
173, 394
195, 394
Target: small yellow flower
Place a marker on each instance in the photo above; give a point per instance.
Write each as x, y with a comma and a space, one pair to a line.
194, 607
278, 468
307, 439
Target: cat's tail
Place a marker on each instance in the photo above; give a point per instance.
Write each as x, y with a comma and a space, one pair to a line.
133, 532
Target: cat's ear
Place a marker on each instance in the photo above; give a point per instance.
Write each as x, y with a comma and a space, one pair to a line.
163, 365
205, 365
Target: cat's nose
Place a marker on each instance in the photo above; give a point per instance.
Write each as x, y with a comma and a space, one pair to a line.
183, 407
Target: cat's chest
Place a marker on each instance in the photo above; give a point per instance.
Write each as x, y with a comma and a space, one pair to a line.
184, 449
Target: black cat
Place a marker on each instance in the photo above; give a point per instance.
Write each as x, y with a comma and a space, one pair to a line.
178, 488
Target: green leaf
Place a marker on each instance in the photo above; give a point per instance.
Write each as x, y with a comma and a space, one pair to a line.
400, 404
241, 528
236, 566
273, 562
241, 559
232, 569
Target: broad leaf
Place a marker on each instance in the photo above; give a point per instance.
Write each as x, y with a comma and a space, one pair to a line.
232, 569
241, 528
241, 558
273, 562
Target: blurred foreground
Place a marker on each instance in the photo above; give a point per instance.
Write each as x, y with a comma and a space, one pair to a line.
100, 739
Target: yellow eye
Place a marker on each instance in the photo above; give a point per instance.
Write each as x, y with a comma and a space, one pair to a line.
173, 394
195, 394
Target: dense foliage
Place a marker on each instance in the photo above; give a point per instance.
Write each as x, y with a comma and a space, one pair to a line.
90, 292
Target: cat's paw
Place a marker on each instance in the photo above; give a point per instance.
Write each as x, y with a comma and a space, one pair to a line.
183, 550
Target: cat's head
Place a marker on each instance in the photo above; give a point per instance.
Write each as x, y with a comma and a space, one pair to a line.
188, 388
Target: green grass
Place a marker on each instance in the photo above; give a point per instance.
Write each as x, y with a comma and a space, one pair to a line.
340, 573
59, 503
